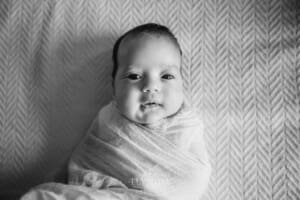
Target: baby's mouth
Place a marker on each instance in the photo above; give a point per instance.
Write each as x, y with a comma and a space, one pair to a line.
149, 105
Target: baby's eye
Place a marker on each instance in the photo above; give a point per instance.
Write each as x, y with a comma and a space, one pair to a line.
168, 76
133, 77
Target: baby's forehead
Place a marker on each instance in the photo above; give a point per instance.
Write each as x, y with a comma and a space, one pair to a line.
131, 58
161, 67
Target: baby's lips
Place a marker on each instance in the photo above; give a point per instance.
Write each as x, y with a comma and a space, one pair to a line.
150, 105
151, 102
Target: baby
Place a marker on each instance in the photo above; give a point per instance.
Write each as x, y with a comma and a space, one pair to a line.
147, 143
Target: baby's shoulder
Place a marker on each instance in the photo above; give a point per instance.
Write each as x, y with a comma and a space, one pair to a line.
190, 118
187, 128
103, 121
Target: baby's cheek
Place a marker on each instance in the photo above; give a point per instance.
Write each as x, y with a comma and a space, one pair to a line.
175, 95
125, 94
130, 102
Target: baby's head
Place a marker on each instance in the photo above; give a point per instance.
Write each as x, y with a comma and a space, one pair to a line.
147, 78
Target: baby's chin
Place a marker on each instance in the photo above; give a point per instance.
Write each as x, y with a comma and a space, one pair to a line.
150, 120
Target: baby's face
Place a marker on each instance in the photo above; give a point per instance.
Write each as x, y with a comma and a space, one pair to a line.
148, 83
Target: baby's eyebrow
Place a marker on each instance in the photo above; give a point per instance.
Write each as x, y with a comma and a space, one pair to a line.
163, 66
133, 68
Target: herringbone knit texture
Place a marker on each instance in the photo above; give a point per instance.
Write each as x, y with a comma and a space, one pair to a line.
241, 66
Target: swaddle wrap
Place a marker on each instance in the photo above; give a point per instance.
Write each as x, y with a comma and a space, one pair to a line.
133, 161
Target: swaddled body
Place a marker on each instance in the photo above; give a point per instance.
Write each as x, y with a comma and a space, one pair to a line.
168, 162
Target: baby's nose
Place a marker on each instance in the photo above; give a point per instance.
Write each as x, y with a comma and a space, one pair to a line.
151, 86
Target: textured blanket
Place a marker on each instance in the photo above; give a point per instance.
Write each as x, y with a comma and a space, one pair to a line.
119, 159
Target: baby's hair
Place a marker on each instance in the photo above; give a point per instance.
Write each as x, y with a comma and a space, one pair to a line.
149, 28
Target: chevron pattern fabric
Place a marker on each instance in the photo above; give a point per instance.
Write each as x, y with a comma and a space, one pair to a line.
241, 66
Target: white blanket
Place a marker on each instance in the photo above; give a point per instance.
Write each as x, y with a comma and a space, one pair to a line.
119, 159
